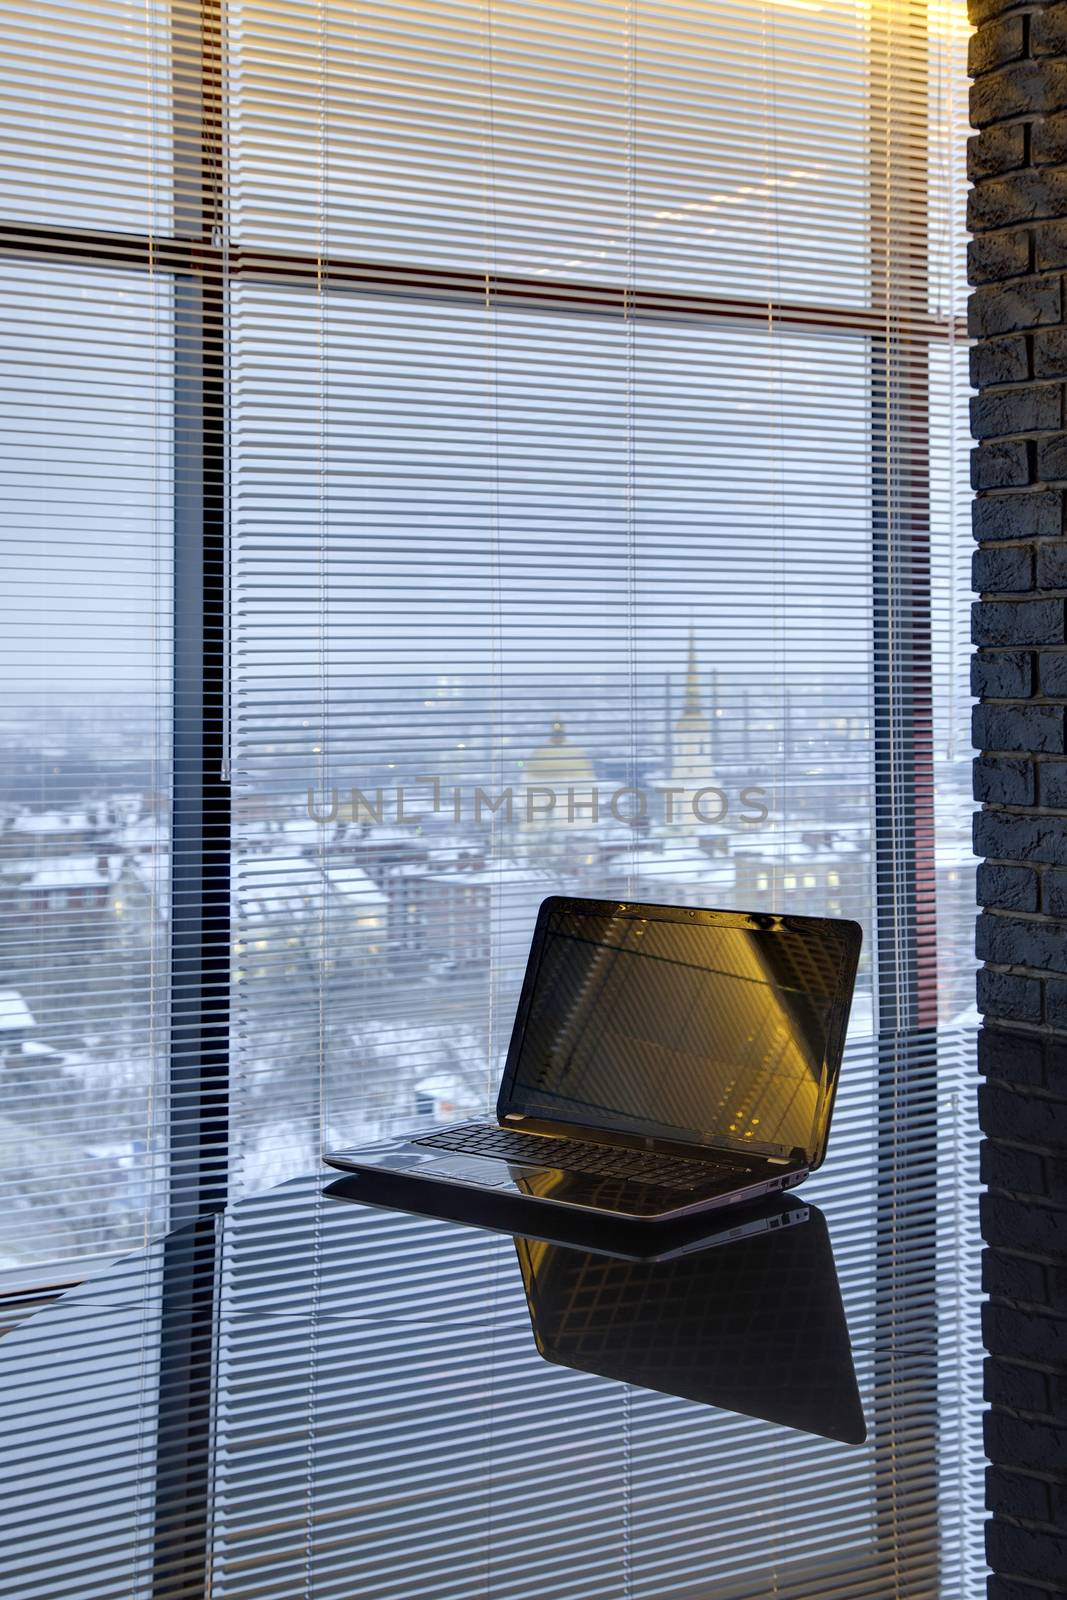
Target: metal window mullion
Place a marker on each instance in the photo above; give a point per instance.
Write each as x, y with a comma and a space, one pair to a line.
200, 922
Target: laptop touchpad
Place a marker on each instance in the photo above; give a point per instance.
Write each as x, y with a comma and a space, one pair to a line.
491, 1174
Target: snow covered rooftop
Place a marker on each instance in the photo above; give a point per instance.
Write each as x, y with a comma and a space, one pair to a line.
14, 1012
68, 872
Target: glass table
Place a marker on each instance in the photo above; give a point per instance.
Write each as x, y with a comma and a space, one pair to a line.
308, 1396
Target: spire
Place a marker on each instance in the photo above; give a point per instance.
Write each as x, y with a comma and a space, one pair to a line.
668, 748
692, 677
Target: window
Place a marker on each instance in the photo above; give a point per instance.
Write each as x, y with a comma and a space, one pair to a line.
456, 453
84, 815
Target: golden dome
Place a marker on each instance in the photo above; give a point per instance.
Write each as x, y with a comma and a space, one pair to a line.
557, 763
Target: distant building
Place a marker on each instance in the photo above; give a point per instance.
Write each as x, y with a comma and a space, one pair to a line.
288, 909
811, 874
555, 793
462, 909
16, 1020
79, 882
679, 801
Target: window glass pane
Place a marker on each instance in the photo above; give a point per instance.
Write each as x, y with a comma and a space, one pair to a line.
85, 742
680, 146
84, 107
570, 579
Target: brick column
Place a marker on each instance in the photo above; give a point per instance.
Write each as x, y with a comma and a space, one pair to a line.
1018, 262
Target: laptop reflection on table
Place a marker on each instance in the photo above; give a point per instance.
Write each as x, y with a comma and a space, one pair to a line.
757, 1328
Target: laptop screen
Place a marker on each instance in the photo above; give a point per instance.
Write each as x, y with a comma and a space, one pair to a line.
714, 1028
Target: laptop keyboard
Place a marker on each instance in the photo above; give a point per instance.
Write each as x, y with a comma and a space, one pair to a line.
572, 1155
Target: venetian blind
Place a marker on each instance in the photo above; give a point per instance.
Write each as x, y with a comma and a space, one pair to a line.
87, 459
596, 509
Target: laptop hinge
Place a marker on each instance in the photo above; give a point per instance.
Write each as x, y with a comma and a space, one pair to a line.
797, 1157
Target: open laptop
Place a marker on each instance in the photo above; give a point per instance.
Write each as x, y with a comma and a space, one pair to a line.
594, 1232
757, 1329
663, 1060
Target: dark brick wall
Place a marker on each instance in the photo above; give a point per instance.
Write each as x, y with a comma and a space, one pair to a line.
1018, 318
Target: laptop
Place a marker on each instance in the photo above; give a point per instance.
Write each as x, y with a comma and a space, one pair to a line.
758, 1329
593, 1232
664, 1060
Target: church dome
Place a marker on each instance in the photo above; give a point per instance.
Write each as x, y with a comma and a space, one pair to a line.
558, 764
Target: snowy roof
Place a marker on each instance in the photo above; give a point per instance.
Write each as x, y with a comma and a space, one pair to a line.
68, 872
14, 1012
305, 830
279, 866
694, 864
507, 874
354, 884
42, 822
293, 885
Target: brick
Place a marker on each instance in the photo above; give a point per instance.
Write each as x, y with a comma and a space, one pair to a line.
1017, 1494
1010, 888
1017, 622
993, 256
1022, 89
1004, 780
1018, 1388
1050, 246
1018, 727
995, 45
1035, 1223
1050, 353
1025, 1552
1052, 456
1033, 194
1023, 1225
1048, 145
1027, 1280
1015, 1057
997, 150
1053, 673
1008, 995
1036, 408
1052, 784
1004, 836
1054, 892
1007, 1166
1003, 360
1048, 34
1003, 464
982, 11
1029, 1334
1012, 308
1052, 565
1002, 569
1002, 674
1037, 515
1025, 1442
1007, 1276
1000, 1588
1056, 1005
1020, 942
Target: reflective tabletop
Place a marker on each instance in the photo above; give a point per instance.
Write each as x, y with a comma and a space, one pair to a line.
308, 1395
